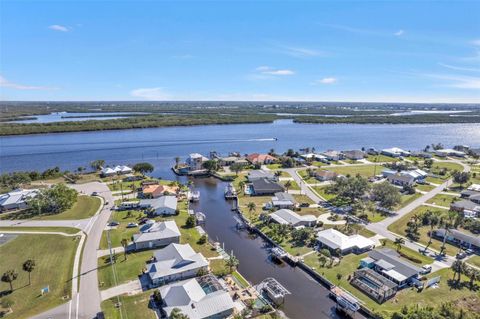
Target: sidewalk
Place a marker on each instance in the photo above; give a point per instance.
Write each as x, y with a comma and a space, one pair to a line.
131, 288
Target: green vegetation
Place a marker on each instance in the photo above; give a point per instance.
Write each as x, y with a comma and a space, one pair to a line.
442, 200
362, 170
240, 279
474, 260
121, 231
135, 306
126, 270
53, 256
380, 158
424, 187
66, 230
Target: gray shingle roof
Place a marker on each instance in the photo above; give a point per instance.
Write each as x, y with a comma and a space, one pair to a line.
388, 256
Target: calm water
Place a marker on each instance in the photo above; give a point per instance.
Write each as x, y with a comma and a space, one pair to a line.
307, 300
71, 117
161, 145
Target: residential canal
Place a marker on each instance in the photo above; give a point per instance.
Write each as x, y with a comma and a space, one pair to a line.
308, 299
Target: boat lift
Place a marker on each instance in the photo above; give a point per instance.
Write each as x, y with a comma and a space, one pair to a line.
273, 289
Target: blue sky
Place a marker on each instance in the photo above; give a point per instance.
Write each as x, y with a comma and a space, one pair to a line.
405, 51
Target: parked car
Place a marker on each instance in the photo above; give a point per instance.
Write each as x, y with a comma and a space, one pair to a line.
132, 225
143, 220
304, 205
426, 269
113, 223
461, 255
95, 194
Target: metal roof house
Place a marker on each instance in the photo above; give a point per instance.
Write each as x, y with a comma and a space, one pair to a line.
16, 199
165, 205
156, 234
390, 265
197, 301
175, 262
288, 217
264, 186
332, 239
354, 154
117, 170
283, 200
459, 238
395, 152
260, 173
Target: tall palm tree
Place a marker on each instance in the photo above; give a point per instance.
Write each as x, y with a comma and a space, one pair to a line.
124, 243
29, 266
251, 208
242, 186
177, 314
473, 274
457, 267
399, 241
287, 185
232, 262
10, 276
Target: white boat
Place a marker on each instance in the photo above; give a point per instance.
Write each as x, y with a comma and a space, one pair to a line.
194, 196
230, 192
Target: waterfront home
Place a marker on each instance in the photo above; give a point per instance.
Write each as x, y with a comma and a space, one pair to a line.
156, 234
283, 200
334, 240
289, 217
164, 205
261, 159
458, 238
314, 156
373, 284
128, 205
324, 175
332, 155
417, 174
229, 160
195, 161
117, 170
421, 154
475, 151
388, 263
449, 152
354, 155
16, 199
197, 298
395, 152
155, 190
401, 180
264, 186
260, 174
175, 262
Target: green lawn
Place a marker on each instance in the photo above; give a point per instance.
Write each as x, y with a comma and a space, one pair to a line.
293, 185
411, 255
447, 165
240, 279
319, 164
442, 200
126, 270
121, 231
407, 199
67, 230
274, 166
53, 255
475, 260
321, 190
381, 159
424, 187
400, 225
84, 207
307, 178
363, 170
135, 306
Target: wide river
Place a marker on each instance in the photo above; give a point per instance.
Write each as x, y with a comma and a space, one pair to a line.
160, 146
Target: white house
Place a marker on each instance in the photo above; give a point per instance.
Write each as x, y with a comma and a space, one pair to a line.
117, 170
192, 300
449, 152
283, 200
195, 161
16, 199
395, 152
288, 217
175, 262
156, 234
164, 205
333, 239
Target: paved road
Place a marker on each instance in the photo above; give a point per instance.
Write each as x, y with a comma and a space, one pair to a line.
86, 303
82, 224
303, 186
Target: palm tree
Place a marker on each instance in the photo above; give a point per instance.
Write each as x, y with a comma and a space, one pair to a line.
242, 186
434, 221
232, 262
124, 243
287, 185
10, 276
457, 267
28, 266
473, 274
251, 207
278, 173
177, 314
399, 242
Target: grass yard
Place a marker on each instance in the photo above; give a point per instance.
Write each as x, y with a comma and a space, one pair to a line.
85, 207
135, 306
381, 159
321, 190
126, 270
121, 231
293, 185
400, 225
274, 166
424, 187
319, 164
447, 165
53, 256
475, 260
67, 230
410, 254
307, 178
363, 170
442, 200
407, 199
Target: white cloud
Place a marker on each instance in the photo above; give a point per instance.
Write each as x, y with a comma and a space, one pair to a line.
300, 52
57, 27
151, 94
329, 80
476, 42
272, 71
11, 85
399, 33
458, 81
459, 68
